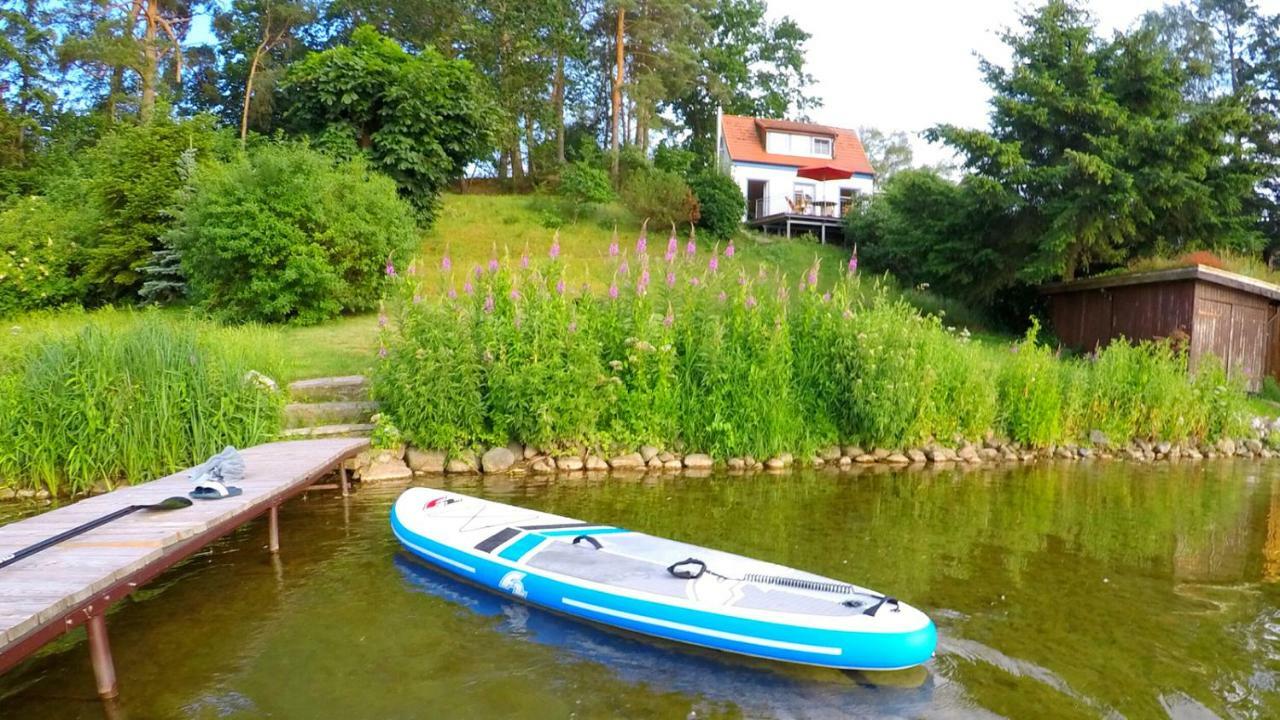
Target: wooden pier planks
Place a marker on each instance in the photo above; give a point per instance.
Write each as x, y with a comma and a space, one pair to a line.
40, 594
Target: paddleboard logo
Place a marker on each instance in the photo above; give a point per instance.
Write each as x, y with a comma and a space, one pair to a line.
440, 502
513, 582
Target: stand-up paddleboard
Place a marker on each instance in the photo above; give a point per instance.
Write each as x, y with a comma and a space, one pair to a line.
660, 587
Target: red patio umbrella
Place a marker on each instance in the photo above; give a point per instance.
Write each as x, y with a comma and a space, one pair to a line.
823, 173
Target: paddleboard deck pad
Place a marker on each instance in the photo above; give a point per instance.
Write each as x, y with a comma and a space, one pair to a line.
661, 587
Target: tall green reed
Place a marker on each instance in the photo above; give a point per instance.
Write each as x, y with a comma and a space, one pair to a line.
131, 398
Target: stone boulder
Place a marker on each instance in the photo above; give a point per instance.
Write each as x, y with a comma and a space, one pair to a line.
425, 461
629, 461
569, 463
497, 460
698, 461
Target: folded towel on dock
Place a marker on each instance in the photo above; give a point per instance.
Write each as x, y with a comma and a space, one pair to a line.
213, 478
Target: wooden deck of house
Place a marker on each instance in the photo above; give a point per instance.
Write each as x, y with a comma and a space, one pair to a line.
76, 582
820, 218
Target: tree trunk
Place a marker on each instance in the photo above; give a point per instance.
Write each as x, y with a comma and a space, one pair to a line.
557, 94
528, 142
248, 94
517, 159
503, 164
116, 85
150, 64
617, 89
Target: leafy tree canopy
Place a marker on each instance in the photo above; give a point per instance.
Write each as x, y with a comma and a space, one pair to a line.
421, 118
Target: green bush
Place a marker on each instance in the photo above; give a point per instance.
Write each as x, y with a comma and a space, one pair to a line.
695, 352
40, 256
131, 180
674, 159
583, 185
287, 235
131, 398
661, 196
720, 204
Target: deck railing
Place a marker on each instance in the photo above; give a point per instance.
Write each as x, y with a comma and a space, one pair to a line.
767, 206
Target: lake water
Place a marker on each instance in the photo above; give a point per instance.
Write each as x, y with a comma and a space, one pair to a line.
1060, 591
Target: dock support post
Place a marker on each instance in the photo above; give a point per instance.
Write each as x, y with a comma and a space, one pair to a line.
273, 529
342, 474
104, 669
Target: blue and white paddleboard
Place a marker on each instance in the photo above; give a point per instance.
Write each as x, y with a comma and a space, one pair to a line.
660, 587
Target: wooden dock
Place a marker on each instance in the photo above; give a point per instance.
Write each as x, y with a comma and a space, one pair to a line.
76, 582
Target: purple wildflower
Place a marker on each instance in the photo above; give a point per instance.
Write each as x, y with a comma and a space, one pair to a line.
691, 248
488, 303
613, 291
722, 297
382, 352
493, 265
853, 263
813, 276
467, 287
412, 270
694, 280
560, 286
672, 243
729, 250
555, 246
446, 263
477, 271
524, 261
669, 319
642, 242
382, 320
826, 296
515, 294
670, 256
613, 244
751, 301
391, 267
644, 277
671, 278
453, 294
714, 263
624, 268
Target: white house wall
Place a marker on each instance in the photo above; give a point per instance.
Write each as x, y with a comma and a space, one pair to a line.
782, 181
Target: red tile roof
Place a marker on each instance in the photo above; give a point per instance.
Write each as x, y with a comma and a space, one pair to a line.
745, 137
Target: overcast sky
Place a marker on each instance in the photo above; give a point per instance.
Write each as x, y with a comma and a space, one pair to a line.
909, 64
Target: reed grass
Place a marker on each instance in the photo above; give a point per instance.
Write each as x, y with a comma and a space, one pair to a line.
694, 350
129, 397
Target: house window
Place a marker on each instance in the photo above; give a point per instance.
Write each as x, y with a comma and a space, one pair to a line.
848, 196
781, 143
822, 147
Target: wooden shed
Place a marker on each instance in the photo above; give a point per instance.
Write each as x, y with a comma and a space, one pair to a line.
1229, 315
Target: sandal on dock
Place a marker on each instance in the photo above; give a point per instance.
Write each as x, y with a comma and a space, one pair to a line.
213, 490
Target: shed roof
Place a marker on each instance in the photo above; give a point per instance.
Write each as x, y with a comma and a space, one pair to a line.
1191, 272
745, 138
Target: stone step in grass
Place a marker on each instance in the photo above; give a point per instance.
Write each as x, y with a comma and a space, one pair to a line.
331, 389
313, 414
328, 431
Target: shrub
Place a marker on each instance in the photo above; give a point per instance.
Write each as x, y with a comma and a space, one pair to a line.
131, 398
286, 235
582, 185
661, 196
132, 177
674, 159
40, 256
720, 204
692, 352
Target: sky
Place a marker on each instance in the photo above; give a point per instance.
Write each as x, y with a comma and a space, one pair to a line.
910, 64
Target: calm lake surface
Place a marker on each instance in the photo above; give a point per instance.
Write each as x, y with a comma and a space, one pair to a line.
1060, 591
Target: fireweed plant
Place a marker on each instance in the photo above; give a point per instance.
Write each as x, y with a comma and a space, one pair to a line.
690, 349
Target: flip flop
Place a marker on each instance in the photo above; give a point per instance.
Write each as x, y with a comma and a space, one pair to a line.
213, 490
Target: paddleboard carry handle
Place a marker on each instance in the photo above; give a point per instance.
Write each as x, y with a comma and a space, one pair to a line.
590, 541
688, 569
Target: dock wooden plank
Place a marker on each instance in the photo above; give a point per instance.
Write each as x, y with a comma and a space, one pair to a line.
38, 593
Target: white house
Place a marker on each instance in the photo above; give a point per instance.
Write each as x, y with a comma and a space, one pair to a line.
769, 158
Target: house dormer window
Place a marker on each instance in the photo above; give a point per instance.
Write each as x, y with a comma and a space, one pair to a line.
782, 143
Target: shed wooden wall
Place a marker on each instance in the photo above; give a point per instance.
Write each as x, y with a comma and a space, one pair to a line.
1235, 325
1089, 319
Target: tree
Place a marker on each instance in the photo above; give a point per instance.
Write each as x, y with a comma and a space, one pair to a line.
889, 153
1100, 152
747, 65
259, 35
420, 118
